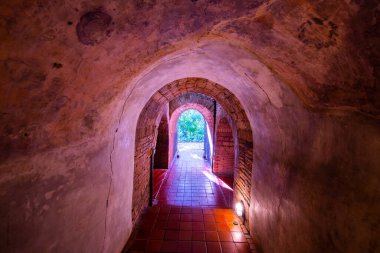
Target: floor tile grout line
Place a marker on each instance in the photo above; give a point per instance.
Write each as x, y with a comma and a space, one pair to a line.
162, 183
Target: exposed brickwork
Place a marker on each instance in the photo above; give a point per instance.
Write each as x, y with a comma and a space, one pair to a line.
242, 176
145, 142
191, 97
147, 124
224, 157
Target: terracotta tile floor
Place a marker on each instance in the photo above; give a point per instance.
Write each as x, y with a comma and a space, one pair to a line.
191, 212
190, 182
189, 229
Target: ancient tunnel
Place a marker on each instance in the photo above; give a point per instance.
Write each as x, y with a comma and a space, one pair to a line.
149, 119
85, 85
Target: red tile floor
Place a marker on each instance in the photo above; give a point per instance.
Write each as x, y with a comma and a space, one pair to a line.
190, 182
191, 212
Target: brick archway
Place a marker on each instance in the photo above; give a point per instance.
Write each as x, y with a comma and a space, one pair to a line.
206, 113
146, 134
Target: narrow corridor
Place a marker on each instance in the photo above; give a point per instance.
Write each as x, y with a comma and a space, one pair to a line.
190, 182
191, 212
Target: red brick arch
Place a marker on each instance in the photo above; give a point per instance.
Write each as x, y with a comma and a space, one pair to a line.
146, 130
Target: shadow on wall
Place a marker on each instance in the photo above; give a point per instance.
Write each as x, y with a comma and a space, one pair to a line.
161, 157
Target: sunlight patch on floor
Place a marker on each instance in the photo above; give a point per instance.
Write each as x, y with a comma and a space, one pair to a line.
213, 178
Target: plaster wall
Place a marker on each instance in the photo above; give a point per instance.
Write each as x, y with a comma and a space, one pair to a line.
317, 192
314, 178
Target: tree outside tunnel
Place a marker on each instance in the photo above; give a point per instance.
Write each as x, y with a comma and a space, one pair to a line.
191, 127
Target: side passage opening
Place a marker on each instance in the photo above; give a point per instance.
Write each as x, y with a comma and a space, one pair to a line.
161, 158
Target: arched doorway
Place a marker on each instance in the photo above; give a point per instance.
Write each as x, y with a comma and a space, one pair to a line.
146, 131
206, 111
161, 156
236, 78
191, 131
206, 106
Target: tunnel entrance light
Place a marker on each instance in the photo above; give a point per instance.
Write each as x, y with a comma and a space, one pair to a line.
239, 209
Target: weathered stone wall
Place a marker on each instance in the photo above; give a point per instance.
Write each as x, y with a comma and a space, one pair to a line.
54, 201
311, 191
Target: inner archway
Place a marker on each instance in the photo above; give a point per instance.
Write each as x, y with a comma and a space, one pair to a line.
161, 156
146, 130
204, 106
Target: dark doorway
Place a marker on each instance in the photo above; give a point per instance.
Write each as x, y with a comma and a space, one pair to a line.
161, 157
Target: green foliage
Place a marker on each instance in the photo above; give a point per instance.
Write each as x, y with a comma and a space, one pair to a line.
191, 126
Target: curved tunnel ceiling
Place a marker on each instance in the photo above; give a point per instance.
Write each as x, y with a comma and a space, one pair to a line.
104, 42
69, 72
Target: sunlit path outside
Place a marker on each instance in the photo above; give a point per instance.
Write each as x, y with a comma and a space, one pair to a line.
190, 146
